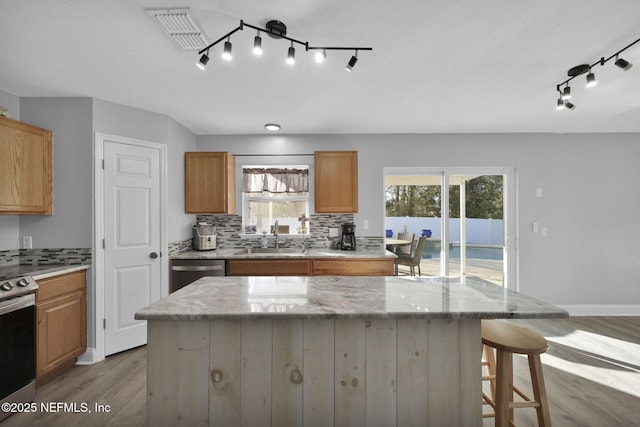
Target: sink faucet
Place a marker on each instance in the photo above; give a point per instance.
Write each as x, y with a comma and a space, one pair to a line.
305, 244
275, 232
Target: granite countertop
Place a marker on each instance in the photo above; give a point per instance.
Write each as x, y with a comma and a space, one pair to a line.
233, 253
318, 297
39, 271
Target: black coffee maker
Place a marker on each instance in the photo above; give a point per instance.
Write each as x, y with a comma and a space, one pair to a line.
348, 240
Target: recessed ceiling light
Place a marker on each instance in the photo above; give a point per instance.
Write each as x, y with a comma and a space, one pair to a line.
272, 127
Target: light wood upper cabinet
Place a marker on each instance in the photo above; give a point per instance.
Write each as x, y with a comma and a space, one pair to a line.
26, 169
336, 181
209, 179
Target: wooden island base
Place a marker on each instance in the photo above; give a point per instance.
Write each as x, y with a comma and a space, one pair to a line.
300, 372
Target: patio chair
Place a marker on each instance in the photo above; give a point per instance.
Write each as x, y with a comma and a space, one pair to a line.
412, 261
405, 249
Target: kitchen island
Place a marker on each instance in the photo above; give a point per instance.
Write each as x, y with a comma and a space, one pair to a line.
357, 351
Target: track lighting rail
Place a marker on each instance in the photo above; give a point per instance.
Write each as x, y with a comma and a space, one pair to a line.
278, 30
579, 70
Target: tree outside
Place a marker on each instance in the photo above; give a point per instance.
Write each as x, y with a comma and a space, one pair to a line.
484, 199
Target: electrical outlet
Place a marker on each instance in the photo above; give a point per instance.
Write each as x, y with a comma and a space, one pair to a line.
544, 232
27, 243
365, 224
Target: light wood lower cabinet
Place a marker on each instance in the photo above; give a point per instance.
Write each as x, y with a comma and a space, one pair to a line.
61, 306
310, 267
269, 267
353, 267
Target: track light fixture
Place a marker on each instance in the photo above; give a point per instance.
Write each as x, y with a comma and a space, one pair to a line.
277, 30
622, 63
352, 62
257, 44
320, 56
226, 54
591, 77
563, 102
202, 62
291, 55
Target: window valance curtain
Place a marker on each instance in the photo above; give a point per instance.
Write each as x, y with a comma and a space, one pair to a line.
275, 180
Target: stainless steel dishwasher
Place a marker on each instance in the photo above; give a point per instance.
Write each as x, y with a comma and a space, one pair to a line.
185, 271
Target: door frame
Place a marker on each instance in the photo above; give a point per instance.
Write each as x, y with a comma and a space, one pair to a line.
98, 230
511, 240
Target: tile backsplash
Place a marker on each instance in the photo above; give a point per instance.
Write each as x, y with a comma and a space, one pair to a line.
68, 256
229, 229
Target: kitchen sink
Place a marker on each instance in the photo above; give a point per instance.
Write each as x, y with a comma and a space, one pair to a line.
276, 251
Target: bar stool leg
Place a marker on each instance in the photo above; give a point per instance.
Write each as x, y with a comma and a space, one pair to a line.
490, 358
504, 391
539, 390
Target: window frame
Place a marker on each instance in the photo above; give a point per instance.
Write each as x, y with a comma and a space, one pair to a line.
264, 197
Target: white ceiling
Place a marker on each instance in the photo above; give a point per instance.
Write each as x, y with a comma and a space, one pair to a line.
436, 66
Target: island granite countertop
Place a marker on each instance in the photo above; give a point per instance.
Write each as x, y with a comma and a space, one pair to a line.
318, 297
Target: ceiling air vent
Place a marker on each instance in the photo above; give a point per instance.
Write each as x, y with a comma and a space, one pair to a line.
181, 26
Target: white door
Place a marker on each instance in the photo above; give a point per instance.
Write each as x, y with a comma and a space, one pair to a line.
132, 246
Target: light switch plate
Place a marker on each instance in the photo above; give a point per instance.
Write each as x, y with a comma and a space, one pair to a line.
334, 231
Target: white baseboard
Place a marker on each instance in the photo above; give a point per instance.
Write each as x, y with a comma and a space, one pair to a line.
88, 358
602, 309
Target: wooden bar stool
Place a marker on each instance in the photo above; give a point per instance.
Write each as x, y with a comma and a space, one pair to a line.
507, 339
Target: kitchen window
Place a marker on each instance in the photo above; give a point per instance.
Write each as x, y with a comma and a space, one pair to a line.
271, 193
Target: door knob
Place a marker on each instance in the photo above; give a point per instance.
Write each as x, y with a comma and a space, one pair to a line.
153, 255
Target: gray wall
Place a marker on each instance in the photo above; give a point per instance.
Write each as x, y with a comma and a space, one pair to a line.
70, 120
11, 102
590, 200
10, 224
180, 140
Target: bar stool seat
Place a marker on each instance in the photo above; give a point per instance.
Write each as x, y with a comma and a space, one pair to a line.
506, 339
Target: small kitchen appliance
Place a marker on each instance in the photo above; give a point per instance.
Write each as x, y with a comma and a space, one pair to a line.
204, 236
348, 239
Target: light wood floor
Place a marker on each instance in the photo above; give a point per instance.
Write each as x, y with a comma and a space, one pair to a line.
592, 375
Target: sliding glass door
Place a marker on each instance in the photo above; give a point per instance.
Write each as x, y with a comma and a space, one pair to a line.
466, 214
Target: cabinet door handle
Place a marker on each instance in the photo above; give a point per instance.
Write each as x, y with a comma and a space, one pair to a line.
153, 255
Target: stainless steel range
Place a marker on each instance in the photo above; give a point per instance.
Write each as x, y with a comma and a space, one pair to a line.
17, 341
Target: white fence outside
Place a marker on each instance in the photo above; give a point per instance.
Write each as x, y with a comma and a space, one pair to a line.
479, 231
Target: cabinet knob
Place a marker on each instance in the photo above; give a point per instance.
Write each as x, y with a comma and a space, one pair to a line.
153, 255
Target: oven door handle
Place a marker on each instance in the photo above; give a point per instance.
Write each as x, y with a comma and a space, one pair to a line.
17, 303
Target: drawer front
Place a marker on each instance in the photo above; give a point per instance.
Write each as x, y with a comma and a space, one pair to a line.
59, 285
353, 267
271, 267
